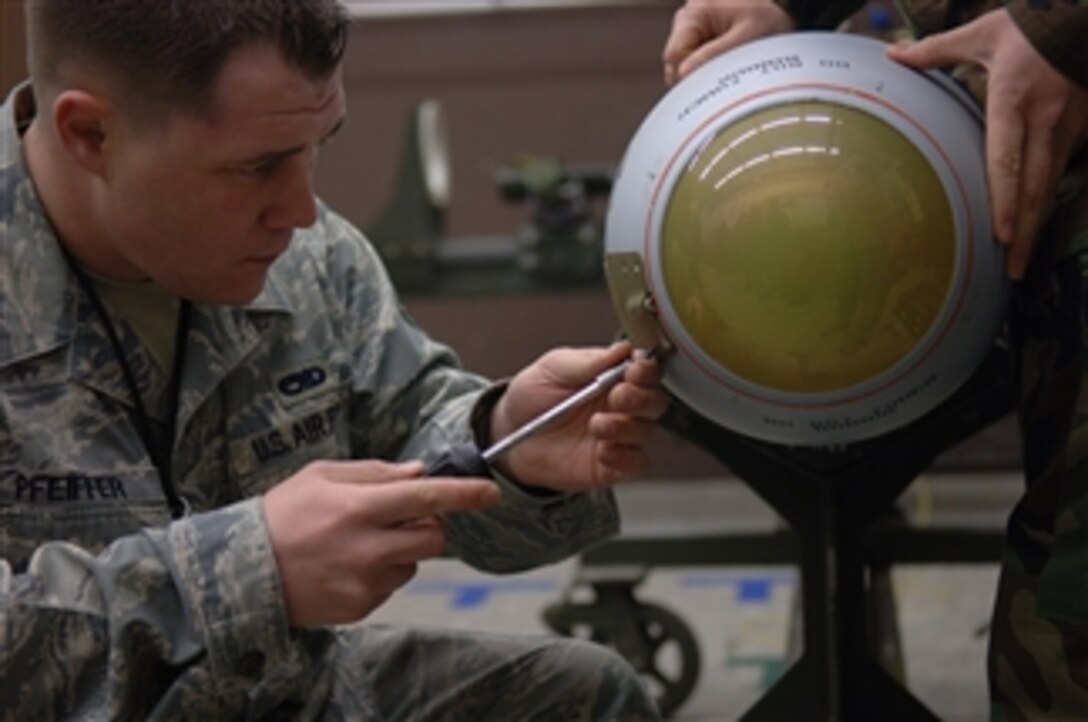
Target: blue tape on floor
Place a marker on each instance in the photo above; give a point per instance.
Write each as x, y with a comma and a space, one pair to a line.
750, 588
751, 591
475, 594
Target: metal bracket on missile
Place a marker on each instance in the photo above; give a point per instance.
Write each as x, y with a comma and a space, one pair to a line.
633, 302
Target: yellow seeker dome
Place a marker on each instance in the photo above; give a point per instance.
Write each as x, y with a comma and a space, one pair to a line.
806, 223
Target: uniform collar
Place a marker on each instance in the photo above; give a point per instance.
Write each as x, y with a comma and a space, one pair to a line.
32, 268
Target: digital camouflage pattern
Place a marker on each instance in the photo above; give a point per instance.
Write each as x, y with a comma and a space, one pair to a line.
1038, 658
110, 610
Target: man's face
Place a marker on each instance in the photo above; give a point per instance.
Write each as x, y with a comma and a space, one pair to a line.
205, 206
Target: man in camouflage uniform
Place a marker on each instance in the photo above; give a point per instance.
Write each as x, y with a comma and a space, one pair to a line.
1028, 63
188, 342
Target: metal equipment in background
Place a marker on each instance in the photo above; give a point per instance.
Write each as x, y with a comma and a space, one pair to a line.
656, 641
560, 246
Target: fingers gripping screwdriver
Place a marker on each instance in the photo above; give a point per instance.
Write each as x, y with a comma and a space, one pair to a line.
467, 459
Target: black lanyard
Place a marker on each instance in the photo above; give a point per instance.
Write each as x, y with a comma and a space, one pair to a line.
161, 451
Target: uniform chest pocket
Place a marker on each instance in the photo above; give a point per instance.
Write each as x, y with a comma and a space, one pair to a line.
87, 508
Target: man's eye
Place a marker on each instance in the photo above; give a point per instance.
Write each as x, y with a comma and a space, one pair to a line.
261, 168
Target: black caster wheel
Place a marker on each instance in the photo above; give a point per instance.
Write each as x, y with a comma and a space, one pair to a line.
657, 643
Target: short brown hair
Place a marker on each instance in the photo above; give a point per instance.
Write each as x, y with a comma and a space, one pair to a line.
166, 55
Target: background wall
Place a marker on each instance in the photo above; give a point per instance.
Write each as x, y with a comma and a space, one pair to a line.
12, 43
573, 84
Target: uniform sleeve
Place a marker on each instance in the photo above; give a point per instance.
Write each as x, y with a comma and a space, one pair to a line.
412, 400
1058, 30
170, 623
820, 14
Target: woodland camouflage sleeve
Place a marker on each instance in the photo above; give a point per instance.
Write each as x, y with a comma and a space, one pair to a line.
820, 14
1059, 30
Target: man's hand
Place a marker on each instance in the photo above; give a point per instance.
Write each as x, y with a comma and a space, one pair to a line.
348, 534
1036, 118
594, 446
702, 29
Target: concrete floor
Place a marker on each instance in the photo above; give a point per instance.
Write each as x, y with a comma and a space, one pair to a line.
742, 617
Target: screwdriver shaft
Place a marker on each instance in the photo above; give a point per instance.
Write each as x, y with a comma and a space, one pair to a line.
595, 388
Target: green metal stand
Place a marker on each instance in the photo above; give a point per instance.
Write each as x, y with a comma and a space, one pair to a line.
843, 534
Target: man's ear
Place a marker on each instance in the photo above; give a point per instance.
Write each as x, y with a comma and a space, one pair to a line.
83, 122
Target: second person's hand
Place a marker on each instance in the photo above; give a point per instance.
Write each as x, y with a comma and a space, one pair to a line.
702, 29
1036, 118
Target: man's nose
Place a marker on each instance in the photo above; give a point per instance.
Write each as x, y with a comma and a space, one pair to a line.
294, 205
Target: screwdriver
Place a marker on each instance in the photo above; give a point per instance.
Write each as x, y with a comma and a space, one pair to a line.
467, 459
